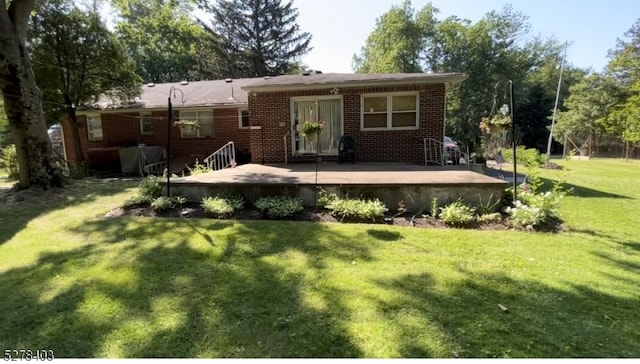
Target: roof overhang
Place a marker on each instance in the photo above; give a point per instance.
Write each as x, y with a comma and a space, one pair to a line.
310, 82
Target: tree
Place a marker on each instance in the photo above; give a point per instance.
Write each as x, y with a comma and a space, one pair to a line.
257, 37
395, 44
624, 66
76, 60
164, 41
23, 100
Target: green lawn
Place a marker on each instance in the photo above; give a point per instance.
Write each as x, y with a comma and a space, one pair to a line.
88, 286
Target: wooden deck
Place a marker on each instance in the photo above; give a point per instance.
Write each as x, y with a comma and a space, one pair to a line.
412, 184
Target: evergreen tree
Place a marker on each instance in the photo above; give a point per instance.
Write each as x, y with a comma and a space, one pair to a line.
257, 37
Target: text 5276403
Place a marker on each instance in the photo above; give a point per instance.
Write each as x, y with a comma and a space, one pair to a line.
28, 355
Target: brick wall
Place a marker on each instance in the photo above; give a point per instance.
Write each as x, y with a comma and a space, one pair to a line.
272, 112
123, 130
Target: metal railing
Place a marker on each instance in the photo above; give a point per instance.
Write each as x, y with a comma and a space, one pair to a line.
435, 153
225, 157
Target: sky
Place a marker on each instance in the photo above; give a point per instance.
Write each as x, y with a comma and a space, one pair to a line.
340, 27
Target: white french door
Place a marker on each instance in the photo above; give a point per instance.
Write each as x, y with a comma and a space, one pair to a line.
326, 109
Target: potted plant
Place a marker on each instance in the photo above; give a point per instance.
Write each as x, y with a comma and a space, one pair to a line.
310, 128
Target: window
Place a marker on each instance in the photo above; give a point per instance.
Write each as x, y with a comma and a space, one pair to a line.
243, 118
146, 124
202, 124
94, 127
390, 111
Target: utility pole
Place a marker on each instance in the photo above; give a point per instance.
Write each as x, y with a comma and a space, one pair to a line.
555, 108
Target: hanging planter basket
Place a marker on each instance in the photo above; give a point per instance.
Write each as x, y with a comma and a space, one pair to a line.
309, 128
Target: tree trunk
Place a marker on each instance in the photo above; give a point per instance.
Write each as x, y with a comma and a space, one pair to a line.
22, 100
75, 130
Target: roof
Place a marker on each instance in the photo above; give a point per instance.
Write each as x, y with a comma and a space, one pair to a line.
196, 93
234, 92
324, 80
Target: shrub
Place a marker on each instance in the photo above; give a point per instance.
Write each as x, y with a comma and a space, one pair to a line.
434, 207
492, 217
222, 205
9, 160
457, 213
163, 203
488, 207
528, 157
150, 187
198, 168
522, 215
325, 198
357, 208
137, 200
278, 207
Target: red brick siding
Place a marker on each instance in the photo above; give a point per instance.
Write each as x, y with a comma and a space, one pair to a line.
268, 110
123, 130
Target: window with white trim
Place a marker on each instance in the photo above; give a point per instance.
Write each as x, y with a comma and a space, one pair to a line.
146, 123
196, 124
94, 127
390, 111
243, 118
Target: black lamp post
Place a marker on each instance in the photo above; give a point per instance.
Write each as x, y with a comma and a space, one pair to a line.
172, 91
513, 129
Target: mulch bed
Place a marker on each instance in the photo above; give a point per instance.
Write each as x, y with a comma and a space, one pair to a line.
409, 220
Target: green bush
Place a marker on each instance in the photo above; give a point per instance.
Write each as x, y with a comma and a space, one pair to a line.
163, 203
137, 200
279, 207
491, 217
526, 157
457, 213
9, 161
357, 208
434, 207
533, 209
222, 205
150, 187
198, 168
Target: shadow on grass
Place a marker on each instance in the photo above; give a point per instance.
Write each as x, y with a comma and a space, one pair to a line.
581, 191
20, 207
236, 296
541, 321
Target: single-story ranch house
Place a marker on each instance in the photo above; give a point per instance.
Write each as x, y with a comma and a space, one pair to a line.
389, 115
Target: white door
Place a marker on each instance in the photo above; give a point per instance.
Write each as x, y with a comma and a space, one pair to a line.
327, 110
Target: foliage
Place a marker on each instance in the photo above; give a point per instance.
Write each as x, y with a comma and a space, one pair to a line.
222, 205
532, 207
279, 207
527, 157
150, 187
490, 217
395, 43
198, 168
162, 203
5, 135
488, 207
310, 129
165, 42
137, 200
457, 213
522, 215
434, 207
257, 37
77, 59
9, 161
357, 208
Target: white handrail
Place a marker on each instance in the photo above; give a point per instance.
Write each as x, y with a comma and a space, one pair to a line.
284, 140
222, 158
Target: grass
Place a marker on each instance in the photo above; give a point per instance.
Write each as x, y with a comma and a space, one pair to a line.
88, 286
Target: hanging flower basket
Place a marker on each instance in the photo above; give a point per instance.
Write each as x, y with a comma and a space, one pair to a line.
191, 124
310, 128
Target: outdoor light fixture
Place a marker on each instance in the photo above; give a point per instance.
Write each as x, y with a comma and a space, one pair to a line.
513, 127
172, 92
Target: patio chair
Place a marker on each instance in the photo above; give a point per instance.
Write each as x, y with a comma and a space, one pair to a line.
347, 149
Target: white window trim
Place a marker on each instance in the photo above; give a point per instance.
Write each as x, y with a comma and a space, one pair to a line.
389, 111
240, 110
142, 116
198, 136
292, 117
87, 116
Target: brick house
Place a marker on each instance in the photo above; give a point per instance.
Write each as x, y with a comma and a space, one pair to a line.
387, 114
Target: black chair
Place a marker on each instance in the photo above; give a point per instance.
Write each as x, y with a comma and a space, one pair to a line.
347, 149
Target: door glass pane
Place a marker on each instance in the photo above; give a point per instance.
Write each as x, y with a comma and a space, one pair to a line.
375, 104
